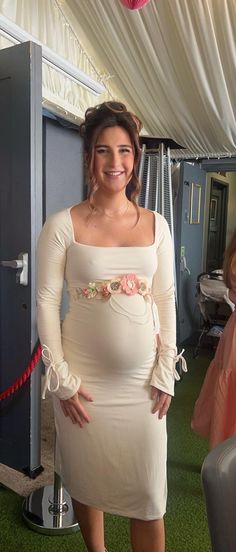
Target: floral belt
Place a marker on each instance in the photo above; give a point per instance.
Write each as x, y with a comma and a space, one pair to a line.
129, 284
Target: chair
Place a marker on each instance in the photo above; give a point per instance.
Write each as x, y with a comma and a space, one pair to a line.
219, 486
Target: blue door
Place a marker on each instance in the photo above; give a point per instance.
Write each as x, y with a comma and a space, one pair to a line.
20, 222
189, 223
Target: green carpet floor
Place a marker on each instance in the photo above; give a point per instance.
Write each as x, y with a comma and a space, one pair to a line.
186, 523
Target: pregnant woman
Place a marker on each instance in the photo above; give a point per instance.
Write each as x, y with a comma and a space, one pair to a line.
111, 364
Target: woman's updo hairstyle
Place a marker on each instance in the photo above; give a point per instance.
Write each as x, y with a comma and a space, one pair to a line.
110, 114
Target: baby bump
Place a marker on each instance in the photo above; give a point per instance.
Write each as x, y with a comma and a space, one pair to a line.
118, 333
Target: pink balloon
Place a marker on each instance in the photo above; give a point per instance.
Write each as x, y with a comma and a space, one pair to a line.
134, 4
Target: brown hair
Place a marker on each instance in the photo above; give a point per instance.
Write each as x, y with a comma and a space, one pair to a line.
110, 114
229, 253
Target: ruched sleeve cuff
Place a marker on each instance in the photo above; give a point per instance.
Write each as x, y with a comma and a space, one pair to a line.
59, 380
164, 373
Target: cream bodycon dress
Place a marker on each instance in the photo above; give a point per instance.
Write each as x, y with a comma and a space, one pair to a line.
117, 462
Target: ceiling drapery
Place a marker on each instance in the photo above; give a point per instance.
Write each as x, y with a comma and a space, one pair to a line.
47, 22
173, 62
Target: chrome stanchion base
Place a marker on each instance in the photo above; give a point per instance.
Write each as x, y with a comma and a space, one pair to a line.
44, 514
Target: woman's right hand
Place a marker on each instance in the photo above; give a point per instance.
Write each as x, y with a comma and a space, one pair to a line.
74, 408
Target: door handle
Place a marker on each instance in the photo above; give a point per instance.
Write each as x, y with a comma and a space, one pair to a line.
21, 266
12, 264
183, 265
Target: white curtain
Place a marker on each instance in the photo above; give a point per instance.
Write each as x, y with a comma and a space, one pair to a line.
173, 62
45, 20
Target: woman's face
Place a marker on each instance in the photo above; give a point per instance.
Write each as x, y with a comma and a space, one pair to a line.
113, 159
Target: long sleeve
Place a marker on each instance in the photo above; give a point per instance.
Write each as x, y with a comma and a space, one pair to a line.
163, 376
51, 258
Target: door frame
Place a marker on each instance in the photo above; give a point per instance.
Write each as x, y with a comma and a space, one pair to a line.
225, 187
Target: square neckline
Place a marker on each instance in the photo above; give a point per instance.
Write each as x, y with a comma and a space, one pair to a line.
74, 241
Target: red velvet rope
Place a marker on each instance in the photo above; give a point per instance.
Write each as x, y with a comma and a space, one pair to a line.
26, 374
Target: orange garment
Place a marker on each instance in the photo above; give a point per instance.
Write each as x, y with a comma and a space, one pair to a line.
214, 413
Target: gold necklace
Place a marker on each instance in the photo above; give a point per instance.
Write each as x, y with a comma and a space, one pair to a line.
121, 211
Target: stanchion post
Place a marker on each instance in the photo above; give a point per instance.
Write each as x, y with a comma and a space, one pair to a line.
49, 510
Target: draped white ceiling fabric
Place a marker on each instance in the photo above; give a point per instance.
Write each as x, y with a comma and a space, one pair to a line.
45, 20
173, 62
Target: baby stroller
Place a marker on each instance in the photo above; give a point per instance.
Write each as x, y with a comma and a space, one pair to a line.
215, 307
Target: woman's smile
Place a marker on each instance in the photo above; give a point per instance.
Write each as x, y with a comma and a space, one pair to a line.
114, 174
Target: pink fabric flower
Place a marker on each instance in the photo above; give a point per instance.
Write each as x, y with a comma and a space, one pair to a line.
104, 291
85, 292
130, 284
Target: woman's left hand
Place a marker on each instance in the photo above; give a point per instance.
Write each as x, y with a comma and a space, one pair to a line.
161, 401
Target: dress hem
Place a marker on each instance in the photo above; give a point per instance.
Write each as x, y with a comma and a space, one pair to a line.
114, 511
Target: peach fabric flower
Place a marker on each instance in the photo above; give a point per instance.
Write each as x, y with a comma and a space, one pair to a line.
130, 284
114, 286
143, 287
